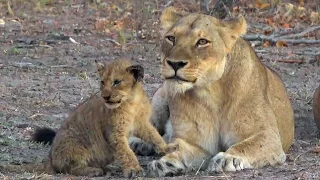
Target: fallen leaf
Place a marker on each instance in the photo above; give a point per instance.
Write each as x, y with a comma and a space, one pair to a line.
286, 25
316, 149
281, 44
2, 22
266, 44
269, 21
315, 17
267, 32
9, 9
73, 41
102, 25
236, 9
261, 5
265, 6
301, 2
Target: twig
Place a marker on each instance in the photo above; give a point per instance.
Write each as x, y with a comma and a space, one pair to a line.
32, 46
25, 65
290, 61
299, 41
201, 165
314, 28
60, 66
35, 115
274, 38
113, 41
261, 51
168, 4
295, 159
308, 53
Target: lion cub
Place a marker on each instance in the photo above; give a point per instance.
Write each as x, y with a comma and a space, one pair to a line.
97, 131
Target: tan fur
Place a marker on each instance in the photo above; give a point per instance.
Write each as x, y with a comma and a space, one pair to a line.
222, 102
316, 106
97, 132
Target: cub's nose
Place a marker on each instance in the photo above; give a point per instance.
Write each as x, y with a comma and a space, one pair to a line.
176, 65
107, 98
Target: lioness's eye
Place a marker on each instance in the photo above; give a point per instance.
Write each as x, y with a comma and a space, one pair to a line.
202, 42
116, 82
102, 83
171, 39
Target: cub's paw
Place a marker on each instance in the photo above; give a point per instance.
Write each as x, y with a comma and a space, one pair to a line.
225, 162
141, 148
133, 172
164, 167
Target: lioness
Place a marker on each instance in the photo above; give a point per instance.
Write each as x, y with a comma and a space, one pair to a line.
227, 110
97, 132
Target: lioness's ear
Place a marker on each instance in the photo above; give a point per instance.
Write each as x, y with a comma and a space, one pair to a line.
100, 67
137, 71
232, 30
169, 16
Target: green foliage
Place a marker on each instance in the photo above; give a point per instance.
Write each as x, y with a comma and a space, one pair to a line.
13, 51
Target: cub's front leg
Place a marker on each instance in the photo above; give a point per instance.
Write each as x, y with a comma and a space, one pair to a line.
128, 161
159, 119
149, 134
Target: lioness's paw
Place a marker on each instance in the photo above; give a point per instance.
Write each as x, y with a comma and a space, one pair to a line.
225, 162
164, 167
133, 172
141, 148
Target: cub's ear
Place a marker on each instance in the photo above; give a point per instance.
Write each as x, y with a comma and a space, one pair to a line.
232, 30
169, 16
100, 67
137, 71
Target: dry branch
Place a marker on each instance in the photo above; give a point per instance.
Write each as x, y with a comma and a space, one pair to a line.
290, 61
287, 38
113, 41
314, 28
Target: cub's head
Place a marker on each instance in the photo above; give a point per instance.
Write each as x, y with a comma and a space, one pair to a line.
194, 48
118, 79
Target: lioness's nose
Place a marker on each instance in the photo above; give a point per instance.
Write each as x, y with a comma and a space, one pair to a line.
176, 65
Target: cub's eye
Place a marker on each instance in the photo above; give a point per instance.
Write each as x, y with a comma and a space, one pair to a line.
172, 39
102, 83
116, 82
202, 42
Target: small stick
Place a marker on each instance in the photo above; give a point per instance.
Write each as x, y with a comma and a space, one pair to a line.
113, 41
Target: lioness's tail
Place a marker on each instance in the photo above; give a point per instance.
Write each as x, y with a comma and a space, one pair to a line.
44, 135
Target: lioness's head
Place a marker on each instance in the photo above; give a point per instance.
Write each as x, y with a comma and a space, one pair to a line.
118, 79
194, 48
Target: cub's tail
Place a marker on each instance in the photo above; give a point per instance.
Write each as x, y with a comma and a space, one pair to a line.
44, 135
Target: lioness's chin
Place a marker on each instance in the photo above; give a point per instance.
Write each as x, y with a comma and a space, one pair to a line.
112, 105
175, 87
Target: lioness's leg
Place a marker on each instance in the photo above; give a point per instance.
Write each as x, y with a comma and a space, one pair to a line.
160, 110
185, 157
256, 151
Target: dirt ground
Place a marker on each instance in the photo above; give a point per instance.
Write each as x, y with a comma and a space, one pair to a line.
45, 74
